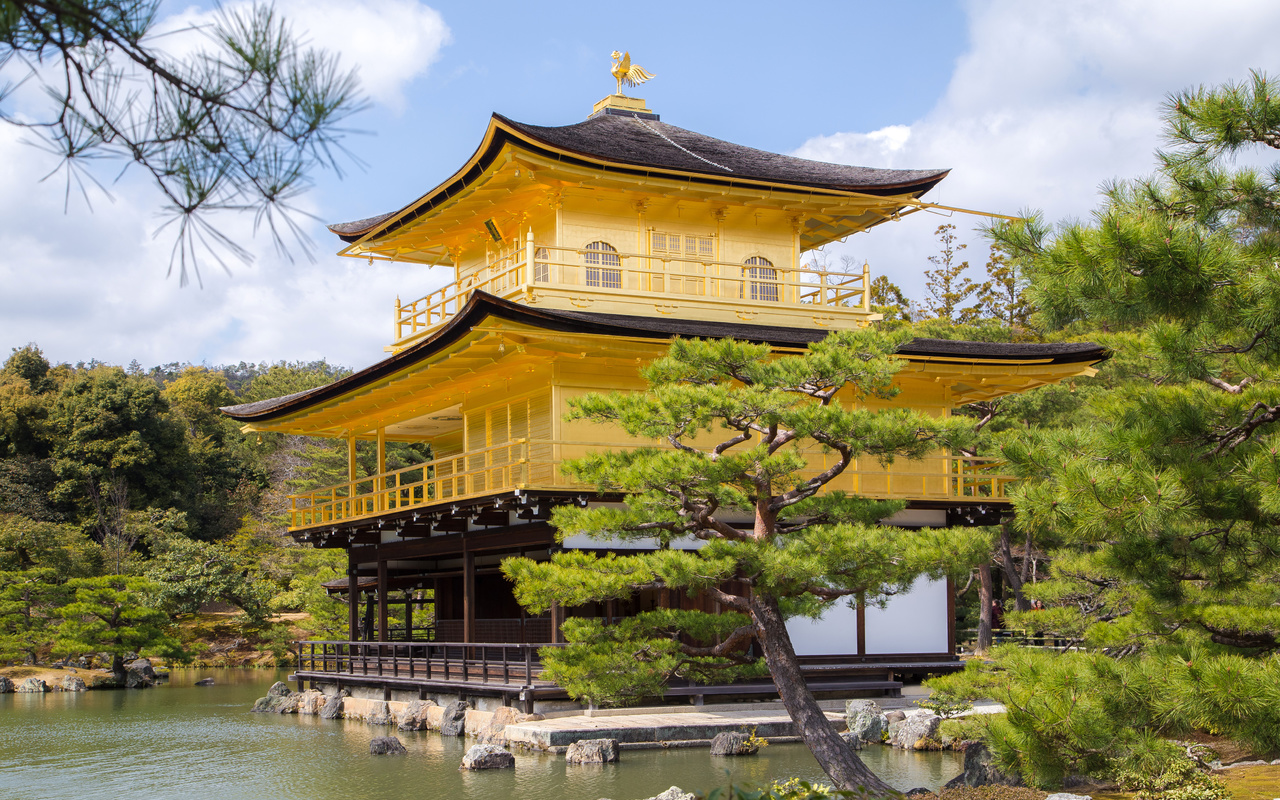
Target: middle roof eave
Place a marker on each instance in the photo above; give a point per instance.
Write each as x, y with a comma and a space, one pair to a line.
482, 306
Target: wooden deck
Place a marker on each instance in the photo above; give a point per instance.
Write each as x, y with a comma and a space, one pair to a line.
514, 671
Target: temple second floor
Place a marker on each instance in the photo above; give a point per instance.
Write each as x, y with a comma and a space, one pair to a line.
489, 390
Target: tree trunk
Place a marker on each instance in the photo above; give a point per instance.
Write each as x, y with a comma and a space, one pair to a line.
1011, 575
986, 592
834, 755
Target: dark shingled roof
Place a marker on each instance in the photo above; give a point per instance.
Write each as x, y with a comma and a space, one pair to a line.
628, 139
482, 306
637, 146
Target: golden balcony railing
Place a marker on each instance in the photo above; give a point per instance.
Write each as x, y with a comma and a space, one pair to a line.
535, 464
666, 277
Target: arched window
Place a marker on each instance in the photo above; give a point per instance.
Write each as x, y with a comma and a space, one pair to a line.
541, 269
604, 267
763, 279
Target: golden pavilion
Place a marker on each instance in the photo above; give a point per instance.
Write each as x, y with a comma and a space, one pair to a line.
576, 254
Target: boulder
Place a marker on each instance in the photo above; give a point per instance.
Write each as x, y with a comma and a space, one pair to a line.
487, 756
386, 746
454, 719
733, 743
72, 684
866, 720
332, 708
33, 686
278, 703
894, 716
6, 685
143, 667
592, 751
310, 702
674, 793
279, 689
204, 682
854, 741
920, 791
980, 770
915, 732
136, 679
380, 714
414, 717
496, 731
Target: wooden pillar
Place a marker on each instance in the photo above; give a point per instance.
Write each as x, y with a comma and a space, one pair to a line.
951, 616
353, 598
408, 617
862, 625
351, 457
383, 633
468, 594
380, 484
557, 617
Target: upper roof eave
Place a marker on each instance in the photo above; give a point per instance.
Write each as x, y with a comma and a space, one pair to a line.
503, 131
482, 306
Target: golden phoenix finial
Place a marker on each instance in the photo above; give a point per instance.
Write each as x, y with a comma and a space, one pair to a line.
626, 72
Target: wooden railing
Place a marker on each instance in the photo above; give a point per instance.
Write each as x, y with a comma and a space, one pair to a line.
442, 662
667, 276
535, 464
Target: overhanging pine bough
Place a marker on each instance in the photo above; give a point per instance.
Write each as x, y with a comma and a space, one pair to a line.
738, 428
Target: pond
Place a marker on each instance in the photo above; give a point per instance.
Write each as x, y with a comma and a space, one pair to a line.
179, 740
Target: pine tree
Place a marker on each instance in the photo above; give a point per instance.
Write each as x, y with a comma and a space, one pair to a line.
113, 614
1003, 296
733, 475
947, 284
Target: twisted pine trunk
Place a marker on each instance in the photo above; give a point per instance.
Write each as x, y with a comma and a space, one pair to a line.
834, 755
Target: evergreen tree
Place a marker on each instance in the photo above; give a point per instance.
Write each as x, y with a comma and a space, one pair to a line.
947, 284
28, 600
236, 124
1161, 498
737, 425
1003, 296
113, 614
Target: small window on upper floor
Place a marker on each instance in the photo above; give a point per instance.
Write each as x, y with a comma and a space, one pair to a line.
763, 279
604, 267
541, 269
686, 245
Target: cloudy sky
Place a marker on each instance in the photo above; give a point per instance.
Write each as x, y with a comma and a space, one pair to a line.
1033, 106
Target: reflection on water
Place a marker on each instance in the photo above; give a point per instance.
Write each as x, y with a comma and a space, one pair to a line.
180, 741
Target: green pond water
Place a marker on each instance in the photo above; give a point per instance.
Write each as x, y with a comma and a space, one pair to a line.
183, 741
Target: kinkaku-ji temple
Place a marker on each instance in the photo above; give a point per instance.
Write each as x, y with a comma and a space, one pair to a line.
577, 254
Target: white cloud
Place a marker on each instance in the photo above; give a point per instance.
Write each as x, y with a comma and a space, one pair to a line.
1050, 101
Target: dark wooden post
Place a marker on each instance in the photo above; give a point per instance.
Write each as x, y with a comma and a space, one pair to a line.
951, 616
408, 616
353, 597
383, 633
557, 617
862, 625
468, 594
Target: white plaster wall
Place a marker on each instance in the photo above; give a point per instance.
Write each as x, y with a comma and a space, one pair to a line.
836, 633
915, 622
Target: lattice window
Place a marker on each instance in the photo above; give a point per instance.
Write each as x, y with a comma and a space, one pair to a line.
541, 269
763, 279
689, 246
603, 265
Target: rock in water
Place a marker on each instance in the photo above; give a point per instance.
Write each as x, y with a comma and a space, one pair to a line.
386, 746
414, 717
592, 751
32, 685
891, 717
135, 679
6, 685
279, 689
853, 740
916, 732
143, 667
72, 684
675, 793
454, 720
380, 714
980, 770
205, 682
866, 720
733, 743
487, 756
332, 708
920, 791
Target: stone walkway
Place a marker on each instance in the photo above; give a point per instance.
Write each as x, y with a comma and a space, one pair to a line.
682, 726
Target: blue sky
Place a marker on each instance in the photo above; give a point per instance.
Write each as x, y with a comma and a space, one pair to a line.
1033, 106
